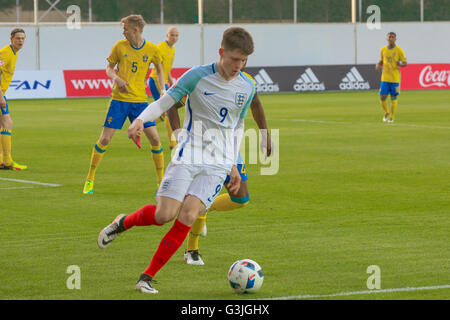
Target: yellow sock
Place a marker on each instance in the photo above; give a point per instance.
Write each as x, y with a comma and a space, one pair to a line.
6, 146
194, 234
172, 139
393, 108
384, 104
158, 158
97, 154
225, 203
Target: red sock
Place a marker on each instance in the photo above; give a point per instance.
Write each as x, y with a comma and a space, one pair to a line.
167, 247
145, 216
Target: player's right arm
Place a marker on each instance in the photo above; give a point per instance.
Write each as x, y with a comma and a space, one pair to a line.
121, 84
380, 63
151, 113
3, 58
184, 87
113, 60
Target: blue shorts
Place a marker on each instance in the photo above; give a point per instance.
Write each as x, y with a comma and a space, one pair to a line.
392, 88
154, 89
118, 112
241, 168
6, 110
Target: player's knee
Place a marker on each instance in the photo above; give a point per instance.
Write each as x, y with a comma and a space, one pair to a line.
189, 216
105, 140
162, 216
383, 97
8, 124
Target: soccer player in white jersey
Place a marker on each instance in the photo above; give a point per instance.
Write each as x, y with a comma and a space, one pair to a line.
219, 96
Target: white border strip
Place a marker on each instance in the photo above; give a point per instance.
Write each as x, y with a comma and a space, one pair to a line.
32, 182
352, 293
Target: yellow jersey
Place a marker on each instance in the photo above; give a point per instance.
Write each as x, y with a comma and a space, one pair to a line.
132, 66
391, 71
168, 56
8, 59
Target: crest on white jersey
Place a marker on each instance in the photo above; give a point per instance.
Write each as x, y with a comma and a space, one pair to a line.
240, 99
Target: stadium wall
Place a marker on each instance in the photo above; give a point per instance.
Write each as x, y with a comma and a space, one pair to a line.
60, 48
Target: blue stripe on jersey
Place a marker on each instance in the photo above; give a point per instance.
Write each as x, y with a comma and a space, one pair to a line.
180, 154
188, 81
214, 69
249, 100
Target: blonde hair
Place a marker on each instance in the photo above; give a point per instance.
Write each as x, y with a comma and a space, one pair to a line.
134, 19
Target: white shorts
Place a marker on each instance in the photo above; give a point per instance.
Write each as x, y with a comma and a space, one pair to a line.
198, 180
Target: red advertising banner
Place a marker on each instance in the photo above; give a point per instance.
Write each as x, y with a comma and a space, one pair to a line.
87, 83
95, 83
426, 76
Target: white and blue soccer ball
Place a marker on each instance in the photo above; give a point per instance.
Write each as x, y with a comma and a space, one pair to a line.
245, 276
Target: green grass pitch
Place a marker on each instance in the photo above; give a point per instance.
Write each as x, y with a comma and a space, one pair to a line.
350, 192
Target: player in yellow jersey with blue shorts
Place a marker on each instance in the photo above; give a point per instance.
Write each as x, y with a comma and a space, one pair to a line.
8, 58
133, 57
167, 50
392, 58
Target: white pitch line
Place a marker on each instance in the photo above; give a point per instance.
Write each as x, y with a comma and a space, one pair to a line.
79, 110
349, 122
32, 182
10, 188
352, 293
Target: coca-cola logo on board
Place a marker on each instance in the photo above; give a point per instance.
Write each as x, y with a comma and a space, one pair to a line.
440, 78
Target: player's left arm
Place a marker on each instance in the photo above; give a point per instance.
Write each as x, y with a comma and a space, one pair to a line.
402, 59
2, 100
170, 80
174, 117
160, 75
260, 119
235, 178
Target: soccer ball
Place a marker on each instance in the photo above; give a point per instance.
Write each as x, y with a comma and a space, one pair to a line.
245, 276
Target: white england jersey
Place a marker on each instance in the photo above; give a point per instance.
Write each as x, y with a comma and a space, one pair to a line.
213, 109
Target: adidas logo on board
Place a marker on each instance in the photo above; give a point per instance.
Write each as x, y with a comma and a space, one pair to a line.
264, 83
308, 82
354, 81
